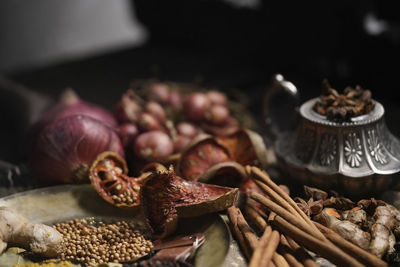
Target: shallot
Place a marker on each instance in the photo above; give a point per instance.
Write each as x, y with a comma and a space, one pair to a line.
127, 132
159, 92
196, 105
128, 109
156, 110
153, 146
148, 122
217, 98
175, 100
186, 129
217, 114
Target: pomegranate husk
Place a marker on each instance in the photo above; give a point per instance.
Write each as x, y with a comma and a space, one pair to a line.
165, 197
63, 151
229, 173
200, 155
105, 178
230, 126
245, 147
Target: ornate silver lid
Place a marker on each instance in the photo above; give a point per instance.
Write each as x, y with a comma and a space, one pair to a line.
358, 148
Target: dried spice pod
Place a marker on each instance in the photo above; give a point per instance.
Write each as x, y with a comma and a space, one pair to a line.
339, 203
230, 126
203, 153
225, 173
166, 196
245, 147
108, 175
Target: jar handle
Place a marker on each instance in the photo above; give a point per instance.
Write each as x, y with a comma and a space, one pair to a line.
281, 107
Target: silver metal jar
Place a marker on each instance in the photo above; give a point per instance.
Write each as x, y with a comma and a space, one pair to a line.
356, 158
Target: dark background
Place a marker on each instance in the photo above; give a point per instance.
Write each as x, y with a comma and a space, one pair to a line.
223, 44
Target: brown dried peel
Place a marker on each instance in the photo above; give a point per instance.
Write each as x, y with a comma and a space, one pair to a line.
164, 197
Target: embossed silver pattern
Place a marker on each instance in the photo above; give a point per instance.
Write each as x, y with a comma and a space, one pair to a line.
375, 147
357, 157
351, 156
305, 144
327, 149
353, 150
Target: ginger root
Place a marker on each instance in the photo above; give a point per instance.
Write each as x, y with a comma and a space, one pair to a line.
17, 230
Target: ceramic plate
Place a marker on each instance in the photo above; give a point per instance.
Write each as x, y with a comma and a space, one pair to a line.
60, 203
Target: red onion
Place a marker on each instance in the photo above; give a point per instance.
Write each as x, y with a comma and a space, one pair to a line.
186, 129
175, 100
148, 122
217, 98
128, 109
63, 151
127, 133
156, 110
159, 92
153, 146
195, 105
181, 142
71, 104
217, 114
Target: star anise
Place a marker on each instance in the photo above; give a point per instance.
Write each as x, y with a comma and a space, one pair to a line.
310, 207
342, 107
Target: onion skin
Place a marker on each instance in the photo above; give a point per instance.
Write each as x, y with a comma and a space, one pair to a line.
153, 146
127, 109
175, 100
127, 132
70, 104
159, 92
156, 110
148, 122
64, 150
217, 114
186, 129
195, 106
217, 98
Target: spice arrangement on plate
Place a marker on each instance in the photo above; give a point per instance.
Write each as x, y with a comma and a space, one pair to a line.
175, 151
90, 243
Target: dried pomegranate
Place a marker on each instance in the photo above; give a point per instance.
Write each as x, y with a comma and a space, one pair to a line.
108, 176
165, 197
245, 147
230, 126
200, 155
225, 173
249, 186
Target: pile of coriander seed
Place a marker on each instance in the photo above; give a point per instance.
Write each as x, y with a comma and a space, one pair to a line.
116, 242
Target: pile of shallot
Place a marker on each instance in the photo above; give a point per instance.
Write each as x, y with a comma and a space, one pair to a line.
150, 127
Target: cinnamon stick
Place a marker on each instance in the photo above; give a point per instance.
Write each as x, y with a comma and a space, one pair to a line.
255, 218
271, 247
279, 260
299, 252
325, 249
288, 254
295, 220
248, 234
232, 215
256, 258
361, 255
280, 196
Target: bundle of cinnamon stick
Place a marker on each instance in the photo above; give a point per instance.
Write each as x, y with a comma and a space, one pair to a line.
287, 232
